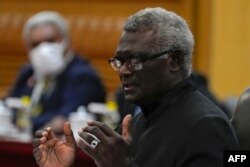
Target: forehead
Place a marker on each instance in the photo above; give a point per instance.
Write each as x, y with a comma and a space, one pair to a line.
134, 42
43, 33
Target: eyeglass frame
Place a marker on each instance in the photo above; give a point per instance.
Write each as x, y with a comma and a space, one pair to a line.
140, 57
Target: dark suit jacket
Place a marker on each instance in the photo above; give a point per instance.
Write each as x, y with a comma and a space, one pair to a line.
183, 129
78, 85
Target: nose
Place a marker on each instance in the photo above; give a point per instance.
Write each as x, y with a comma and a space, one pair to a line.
124, 70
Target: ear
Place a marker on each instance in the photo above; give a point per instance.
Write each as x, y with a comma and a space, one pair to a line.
176, 61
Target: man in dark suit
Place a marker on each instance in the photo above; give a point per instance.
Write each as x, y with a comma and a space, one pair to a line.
177, 125
57, 80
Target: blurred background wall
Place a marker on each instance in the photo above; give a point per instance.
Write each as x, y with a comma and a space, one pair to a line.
230, 47
221, 29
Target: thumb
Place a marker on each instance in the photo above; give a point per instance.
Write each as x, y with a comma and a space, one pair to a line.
70, 140
126, 130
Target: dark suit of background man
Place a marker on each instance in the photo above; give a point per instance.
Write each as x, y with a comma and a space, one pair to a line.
178, 126
58, 80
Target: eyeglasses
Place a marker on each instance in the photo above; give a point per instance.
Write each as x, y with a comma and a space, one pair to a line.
133, 63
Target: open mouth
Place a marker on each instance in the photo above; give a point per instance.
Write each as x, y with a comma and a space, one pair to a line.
128, 86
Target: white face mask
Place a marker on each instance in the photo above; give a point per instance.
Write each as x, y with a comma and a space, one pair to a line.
47, 58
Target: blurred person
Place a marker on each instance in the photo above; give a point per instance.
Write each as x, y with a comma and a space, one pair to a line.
57, 79
241, 120
178, 126
202, 84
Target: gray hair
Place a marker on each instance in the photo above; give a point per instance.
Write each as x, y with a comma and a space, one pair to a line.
46, 17
172, 32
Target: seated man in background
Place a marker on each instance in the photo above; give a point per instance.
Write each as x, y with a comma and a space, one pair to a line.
202, 84
57, 80
177, 126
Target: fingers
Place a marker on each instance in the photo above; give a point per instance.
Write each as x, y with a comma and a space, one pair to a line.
39, 144
41, 136
69, 137
94, 130
91, 138
105, 129
126, 131
86, 148
51, 135
97, 139
86, 138
37, 154
38, 133
40, 154
37, 140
